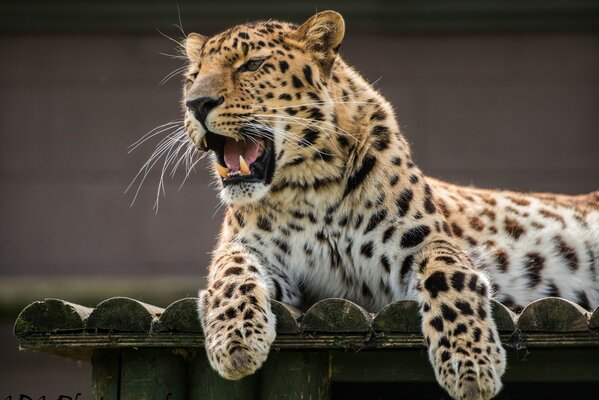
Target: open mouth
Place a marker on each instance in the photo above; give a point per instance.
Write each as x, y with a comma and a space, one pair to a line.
249, 159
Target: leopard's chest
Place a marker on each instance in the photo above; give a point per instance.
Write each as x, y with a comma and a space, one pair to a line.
335, 260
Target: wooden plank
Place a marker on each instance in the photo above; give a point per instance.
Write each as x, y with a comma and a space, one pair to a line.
291, 375
336, 315
180, 316
153, 374
399, 316
206, 384
553, 314
51, 315
122, 314
553, 365
106, 370
409, 365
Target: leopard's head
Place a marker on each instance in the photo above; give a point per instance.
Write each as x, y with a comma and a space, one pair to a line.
253, 96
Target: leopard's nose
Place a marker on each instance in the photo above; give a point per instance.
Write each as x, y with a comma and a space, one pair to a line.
202, 106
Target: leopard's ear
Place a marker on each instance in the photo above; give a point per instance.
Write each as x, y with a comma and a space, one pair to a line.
193, 44
322, 34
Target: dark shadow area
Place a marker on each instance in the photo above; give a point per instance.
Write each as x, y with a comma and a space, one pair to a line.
431, 391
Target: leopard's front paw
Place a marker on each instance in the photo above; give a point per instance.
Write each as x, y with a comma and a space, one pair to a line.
238, 333
469, 361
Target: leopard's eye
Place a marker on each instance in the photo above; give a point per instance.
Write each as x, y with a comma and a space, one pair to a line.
252, 65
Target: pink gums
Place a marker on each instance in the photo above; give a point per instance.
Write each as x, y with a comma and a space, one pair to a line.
249, 149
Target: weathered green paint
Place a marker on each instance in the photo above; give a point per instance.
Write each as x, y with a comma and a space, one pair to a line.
503, 316
399, 316
180, 316
553, 314
153, 374
51, 315
122, 314
206, 384
106, 374
336, 315
291, 375
288, 317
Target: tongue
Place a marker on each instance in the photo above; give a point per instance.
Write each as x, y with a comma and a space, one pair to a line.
233, 149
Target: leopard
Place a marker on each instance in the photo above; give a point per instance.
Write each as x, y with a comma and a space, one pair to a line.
324, 200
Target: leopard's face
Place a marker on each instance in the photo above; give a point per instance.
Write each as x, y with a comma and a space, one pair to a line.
245, 94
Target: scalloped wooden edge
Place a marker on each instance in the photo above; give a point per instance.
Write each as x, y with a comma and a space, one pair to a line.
179, 316
336, 315
288, 317
50, 316
594, 321
505, 319
123, 314
399, 316
553, 314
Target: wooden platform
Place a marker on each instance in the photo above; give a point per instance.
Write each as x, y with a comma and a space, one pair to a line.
141, 351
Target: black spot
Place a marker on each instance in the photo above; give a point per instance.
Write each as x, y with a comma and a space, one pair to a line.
403, 202
248, 314
356, 179
393, 180
473, 282
246, 288
243, 35
297, 83
367, 249
406, 266
464, 307
415, 236
436, 283
448, 313
278, 290
233, 271
366, 290
446, 259
476, 333
388, 233
583, 300
264, 224
308, 74
284, 66
281, 244
310, 136
385, 263
534, 264
285, 96
230, 312
460, 328
375, 220
396, 161
437, 323
240, 219
482, 314
445, 356
429, 206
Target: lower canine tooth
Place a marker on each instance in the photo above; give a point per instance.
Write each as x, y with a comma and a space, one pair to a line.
245, 170
222, 171
205, 142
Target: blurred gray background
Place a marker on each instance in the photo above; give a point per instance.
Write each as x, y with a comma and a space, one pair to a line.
499, 94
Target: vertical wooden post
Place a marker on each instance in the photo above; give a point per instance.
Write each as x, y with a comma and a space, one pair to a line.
290, 375
206, 384
106, 374
153, 374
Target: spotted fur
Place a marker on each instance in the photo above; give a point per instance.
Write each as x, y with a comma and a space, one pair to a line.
348, 213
